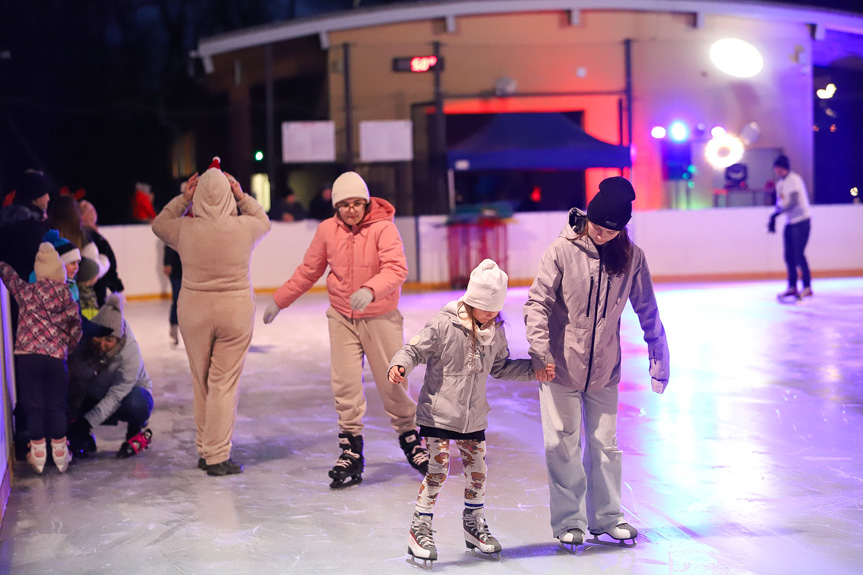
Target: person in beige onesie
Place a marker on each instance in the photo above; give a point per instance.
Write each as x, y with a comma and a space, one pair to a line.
215, 247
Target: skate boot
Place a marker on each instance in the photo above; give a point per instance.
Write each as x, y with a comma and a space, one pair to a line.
572, 539
621, 533
60, 453
415, 451
349, 466
791, 292
807, 292
477, 536
37, 456
135, 444
421, 541
175, 334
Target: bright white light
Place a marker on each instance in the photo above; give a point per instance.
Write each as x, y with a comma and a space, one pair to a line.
827, 92
736, 57
678, 131
854, 192
658, 132
722, 151
717, 131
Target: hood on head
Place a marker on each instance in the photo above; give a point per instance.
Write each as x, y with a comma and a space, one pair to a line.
213, 198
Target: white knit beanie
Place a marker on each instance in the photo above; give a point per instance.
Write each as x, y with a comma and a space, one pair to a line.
111, 316
48, 265
486, 289
350, 185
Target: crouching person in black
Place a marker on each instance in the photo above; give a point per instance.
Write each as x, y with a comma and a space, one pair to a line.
108, 383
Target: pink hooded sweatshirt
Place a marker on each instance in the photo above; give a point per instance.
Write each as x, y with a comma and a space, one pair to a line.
370, 255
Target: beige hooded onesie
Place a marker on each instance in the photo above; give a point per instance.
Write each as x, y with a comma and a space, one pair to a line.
216, 307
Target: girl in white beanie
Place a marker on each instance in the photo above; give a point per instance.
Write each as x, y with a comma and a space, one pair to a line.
48, 326
462, 345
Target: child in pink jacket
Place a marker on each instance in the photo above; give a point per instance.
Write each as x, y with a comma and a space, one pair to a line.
48, 326
364, 251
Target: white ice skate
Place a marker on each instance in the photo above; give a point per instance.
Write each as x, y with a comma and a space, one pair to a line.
620, 533
421, 542
477, 536
572, 539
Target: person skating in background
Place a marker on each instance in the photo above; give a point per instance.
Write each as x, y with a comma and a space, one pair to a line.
572, 320
49, 326
172, 267
793, 201
110, 281
462, 346
216, 306
364, 252
321, 206
108, 384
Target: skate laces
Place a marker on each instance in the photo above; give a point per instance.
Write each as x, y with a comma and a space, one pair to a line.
420, 455
477, 525
344, 460
422, 531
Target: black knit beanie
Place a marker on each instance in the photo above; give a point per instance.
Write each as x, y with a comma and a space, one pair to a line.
32, 185
611, 207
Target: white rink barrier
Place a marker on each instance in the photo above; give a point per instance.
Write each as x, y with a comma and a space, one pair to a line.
712, 244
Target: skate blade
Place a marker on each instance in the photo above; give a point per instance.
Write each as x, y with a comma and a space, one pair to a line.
479, 553
571, 548
426, 564
345, 483
613, 543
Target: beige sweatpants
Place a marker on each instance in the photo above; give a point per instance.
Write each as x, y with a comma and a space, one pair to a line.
217, 330
377, 338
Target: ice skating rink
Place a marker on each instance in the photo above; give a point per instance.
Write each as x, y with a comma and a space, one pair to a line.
752, 461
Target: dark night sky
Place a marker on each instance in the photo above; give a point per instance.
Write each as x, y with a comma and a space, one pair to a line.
95, 92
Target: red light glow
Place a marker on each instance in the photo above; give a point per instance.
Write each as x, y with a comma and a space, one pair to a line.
423, 63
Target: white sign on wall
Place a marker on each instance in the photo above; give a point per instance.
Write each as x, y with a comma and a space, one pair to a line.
386, 141
308, 142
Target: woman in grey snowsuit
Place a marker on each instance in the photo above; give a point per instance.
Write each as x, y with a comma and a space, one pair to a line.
572, 320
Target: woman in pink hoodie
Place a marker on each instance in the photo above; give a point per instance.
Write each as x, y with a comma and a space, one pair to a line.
364, 251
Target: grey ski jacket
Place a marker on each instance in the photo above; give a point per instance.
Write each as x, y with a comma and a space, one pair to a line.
453, 395
572, 315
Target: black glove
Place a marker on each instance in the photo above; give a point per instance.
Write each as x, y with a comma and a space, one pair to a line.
771, 225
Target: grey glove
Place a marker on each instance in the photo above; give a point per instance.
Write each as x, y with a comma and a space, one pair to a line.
658, 386
271, 312
361, 299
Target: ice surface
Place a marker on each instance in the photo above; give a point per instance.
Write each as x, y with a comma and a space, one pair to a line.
750, 463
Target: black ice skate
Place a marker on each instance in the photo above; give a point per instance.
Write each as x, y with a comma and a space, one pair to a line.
572, 539
349, 466
421, 541
415, 451
621, 534
135, 445
477, 537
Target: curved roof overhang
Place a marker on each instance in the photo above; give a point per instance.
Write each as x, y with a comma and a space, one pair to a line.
819, 19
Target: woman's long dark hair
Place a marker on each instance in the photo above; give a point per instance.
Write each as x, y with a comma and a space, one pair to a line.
64, 215
616, 253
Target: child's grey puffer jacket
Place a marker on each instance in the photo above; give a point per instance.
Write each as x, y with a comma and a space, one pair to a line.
453, 394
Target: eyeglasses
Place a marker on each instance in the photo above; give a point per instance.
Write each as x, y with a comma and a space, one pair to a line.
357, 205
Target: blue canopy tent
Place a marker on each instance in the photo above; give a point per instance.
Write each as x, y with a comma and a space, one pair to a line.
545, 141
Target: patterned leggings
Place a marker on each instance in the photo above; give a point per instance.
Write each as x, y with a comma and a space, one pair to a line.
475, 469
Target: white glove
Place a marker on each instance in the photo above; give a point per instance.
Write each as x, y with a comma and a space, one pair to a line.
658, 386
361, 299
271, 312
